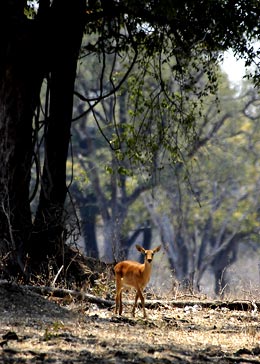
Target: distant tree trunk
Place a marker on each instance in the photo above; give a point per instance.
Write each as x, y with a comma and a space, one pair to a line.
147, 235
128, 241
219, 265
218, 252
147, 238
88, 215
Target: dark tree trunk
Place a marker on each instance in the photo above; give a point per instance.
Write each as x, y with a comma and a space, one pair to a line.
147, 235
29, 50
88, 215
147, 238
65, 36
219, 265
86, 200
20, 80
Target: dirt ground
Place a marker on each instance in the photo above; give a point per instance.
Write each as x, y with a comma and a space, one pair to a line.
37, 329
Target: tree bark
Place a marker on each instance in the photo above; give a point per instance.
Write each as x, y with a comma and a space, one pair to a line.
65, 36
31, 49
21, 76
89, 214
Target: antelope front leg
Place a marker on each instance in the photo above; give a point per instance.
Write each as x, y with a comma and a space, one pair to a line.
142, 300
139, 294
136, 298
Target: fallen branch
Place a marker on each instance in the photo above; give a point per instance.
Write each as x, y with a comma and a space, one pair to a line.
61, 293
241, 359
244, 305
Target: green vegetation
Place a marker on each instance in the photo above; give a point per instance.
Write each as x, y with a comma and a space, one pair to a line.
148, 138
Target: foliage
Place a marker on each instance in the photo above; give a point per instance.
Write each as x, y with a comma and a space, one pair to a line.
167, 63
165, 53
218, 207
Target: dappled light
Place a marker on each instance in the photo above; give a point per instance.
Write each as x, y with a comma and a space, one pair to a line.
119, 129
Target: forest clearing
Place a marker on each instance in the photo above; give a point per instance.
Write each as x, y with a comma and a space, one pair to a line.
121, 135
48, 329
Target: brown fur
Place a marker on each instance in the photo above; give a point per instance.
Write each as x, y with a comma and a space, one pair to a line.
133, 274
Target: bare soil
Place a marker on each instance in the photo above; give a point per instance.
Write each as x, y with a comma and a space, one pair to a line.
37, 329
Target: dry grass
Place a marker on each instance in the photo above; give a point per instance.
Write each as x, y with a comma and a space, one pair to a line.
51, 330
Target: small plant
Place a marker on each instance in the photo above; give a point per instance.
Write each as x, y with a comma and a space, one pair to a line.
104, 284
51, 331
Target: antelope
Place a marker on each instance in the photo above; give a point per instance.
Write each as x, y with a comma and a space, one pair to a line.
133, 274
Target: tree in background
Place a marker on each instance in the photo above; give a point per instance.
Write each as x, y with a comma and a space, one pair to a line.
46, 47
191, 250
203, 223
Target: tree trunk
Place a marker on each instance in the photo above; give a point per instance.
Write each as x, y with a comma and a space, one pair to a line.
88, 216
20, 80
65, 36
52, 41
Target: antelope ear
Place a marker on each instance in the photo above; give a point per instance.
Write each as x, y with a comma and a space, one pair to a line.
140, 248
157, 249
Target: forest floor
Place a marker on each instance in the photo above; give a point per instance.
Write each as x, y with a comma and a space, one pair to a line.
47, 329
